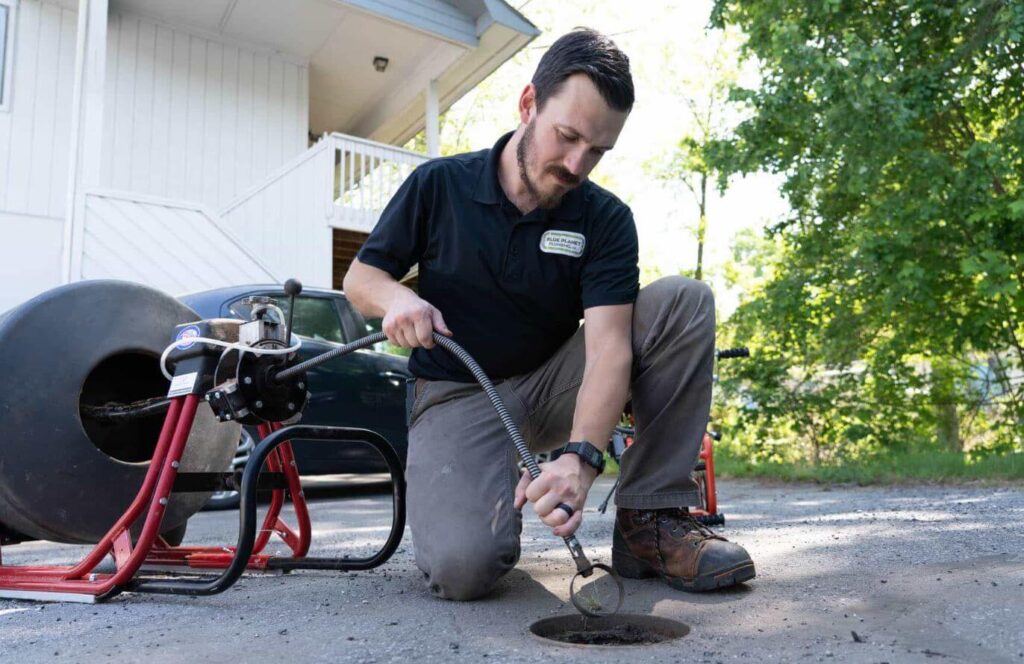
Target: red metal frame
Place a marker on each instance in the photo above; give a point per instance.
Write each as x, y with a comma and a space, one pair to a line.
707, 455
42, 582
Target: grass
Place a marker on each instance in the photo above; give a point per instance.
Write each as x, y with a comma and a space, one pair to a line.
896, 468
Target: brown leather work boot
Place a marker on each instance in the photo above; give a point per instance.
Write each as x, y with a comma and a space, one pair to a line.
671, 544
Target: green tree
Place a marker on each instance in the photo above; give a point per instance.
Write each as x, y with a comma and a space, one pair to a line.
709, 114
897, 310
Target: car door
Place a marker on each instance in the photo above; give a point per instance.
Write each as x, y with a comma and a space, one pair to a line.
360, 389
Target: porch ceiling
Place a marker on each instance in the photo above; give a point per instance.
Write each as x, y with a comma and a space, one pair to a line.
298, 27
344, 87
457, 42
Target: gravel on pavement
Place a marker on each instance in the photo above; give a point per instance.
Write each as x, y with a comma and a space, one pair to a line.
845, 574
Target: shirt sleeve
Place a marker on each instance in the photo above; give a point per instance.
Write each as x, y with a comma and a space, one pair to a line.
611, 274
398, 240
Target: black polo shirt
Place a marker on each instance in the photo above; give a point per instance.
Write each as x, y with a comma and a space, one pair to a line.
511, 287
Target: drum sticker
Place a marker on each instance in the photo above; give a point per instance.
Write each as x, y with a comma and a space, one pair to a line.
565, 243
183, 384
184, 337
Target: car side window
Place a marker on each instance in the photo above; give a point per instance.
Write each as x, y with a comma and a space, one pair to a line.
352, 323
374, 325
315, 317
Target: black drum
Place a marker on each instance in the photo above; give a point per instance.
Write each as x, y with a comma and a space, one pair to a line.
67, 477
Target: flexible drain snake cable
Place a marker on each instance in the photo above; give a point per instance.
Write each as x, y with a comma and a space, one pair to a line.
603, 594
114, 411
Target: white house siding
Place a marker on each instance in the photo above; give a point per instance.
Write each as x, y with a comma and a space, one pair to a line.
285, 220
34, 135
34, 132
175, 247
193, 117
30, 249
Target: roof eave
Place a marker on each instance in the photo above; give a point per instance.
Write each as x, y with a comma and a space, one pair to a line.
499, 42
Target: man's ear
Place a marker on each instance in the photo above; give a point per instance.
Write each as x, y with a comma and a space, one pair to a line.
527, 103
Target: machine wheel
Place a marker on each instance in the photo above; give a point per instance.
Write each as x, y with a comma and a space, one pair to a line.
712, 519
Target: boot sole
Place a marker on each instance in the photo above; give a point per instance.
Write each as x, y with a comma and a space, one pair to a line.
629, 566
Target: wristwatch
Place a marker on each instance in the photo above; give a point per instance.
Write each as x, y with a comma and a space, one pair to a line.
590, 455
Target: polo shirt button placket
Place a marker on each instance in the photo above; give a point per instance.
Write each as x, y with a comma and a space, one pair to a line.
513, 271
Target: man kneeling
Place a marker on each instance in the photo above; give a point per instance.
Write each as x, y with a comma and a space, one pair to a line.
514, 246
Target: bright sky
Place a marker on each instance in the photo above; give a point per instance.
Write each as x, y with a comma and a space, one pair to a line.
666, 43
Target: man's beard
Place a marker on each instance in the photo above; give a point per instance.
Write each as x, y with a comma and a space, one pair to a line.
524, 154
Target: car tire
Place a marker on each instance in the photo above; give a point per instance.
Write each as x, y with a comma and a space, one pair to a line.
224, 500
229, 500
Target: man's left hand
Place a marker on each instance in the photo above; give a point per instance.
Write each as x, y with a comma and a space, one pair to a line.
567, 480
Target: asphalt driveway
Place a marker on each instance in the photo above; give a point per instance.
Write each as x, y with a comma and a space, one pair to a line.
908, 574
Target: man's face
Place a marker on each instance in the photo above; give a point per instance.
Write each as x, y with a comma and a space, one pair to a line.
564, 142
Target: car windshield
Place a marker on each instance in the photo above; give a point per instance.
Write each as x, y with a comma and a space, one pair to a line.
315, 317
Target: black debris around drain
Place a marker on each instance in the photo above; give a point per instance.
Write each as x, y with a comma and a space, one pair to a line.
618, 630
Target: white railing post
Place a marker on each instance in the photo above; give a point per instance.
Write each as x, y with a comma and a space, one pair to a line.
432, 119
367, 175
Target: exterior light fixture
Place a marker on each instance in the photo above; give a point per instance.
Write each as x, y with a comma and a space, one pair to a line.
380, 63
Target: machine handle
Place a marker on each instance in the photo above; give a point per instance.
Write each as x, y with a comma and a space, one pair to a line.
727, 353
292, 287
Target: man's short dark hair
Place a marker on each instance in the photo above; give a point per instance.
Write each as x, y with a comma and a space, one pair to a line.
585, 51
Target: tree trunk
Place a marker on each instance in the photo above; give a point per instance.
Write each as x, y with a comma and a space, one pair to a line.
944, 396
702, 226
949, 428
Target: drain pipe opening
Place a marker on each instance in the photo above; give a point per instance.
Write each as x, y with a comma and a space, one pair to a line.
617, 630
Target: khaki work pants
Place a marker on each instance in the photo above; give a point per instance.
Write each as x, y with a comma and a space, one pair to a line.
461, 468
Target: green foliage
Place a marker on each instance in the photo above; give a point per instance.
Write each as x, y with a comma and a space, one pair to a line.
709, 114
893, 468
893, 313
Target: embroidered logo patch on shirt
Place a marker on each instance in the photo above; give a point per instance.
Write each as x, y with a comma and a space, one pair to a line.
566, 243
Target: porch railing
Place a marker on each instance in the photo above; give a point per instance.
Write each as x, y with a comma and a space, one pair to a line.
340, 182
366, 176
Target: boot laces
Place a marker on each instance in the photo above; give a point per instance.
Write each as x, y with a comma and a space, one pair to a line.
684, 521
694, 524
688, 523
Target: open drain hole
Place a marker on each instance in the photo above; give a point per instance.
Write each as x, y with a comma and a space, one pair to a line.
618, 630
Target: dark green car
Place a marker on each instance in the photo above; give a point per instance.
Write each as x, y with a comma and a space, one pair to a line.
364, 389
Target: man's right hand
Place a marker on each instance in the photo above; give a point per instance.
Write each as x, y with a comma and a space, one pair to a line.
410, 322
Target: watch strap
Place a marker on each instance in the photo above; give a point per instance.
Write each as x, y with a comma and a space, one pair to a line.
590, 455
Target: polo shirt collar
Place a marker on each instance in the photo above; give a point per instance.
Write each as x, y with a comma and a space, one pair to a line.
489, 191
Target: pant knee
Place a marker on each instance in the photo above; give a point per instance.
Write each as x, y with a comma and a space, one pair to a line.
680, 291
676, 303
462, 577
